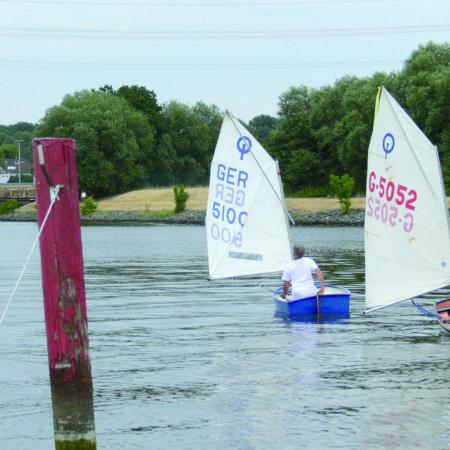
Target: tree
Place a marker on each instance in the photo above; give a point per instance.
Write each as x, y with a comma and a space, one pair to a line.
114, 142
341, 121
193, 134
23, 131
106, 89
143, 100
293, 133
163, 162
8, 151
211, 117
261, 126
140, 98
424, 85
326, 130
327, 112
303, 170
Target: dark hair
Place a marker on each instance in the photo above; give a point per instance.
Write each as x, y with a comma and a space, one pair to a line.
299, 251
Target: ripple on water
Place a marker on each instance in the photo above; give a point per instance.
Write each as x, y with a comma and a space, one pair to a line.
185, 363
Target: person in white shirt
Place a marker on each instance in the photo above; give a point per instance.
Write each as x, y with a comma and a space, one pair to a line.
298, 276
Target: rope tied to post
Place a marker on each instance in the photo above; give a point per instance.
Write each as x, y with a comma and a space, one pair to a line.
54, 191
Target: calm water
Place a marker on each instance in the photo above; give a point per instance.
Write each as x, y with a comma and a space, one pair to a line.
183, 363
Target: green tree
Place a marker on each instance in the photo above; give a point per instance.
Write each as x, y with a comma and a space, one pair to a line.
210, 116
140, 98
164, 160
143, 100
8, 151
23, 131
114, 141
303, 170
106, 89
326, 130
261, 126
424, 82
191, 137
355, 126
292, 134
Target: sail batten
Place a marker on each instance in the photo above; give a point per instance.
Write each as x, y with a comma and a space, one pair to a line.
246, 227
407, 238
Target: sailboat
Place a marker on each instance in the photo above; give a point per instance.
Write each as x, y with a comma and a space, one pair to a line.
247, 222
407, 238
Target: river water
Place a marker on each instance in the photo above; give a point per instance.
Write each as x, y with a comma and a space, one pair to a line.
180, 362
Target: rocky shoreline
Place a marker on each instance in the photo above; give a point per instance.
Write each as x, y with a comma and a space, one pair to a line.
332, 218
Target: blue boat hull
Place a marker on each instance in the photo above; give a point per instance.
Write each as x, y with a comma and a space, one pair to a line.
335, 302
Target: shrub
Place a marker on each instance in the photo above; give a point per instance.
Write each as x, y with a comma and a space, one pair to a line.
342, 188
181, 197
8, 206
88, 206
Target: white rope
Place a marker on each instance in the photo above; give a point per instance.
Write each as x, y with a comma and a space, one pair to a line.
54, 197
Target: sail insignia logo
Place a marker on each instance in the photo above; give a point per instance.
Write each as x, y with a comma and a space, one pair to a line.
388, 144
244, 145
443, 264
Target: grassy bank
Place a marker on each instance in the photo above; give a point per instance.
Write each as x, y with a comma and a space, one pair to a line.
152, 200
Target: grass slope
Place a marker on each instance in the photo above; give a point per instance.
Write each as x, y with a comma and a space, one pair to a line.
163, 200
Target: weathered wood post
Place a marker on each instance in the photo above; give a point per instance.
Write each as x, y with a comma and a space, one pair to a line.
64, 294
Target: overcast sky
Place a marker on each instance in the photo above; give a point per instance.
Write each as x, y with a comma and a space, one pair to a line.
239, 54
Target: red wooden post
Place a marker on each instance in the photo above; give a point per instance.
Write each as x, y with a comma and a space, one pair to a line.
64, 294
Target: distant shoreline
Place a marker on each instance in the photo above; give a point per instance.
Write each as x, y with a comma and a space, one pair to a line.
329, 218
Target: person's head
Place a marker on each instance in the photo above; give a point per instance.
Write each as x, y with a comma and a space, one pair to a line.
299, 251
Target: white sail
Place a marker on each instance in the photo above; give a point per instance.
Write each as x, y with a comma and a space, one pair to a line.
246, 226
407, 243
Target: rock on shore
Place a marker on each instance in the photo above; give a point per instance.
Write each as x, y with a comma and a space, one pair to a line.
335, 218
355, 217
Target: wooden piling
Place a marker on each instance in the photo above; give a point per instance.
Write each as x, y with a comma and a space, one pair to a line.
64, 295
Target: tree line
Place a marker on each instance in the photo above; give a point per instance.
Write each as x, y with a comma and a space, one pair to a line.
127, 140
327, 131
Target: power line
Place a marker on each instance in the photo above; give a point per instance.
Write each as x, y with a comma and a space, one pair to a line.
36, 64
117, 34
195, 4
